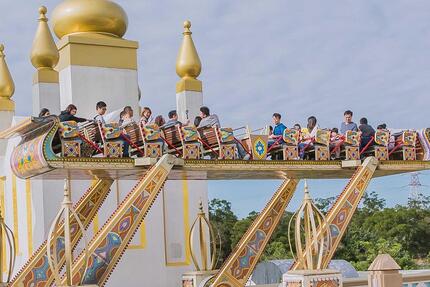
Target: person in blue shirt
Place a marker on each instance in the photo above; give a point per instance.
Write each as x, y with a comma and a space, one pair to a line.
278, 130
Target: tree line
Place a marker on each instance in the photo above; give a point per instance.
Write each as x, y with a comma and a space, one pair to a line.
402, 231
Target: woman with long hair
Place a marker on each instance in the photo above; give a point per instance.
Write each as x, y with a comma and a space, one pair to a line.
69, 114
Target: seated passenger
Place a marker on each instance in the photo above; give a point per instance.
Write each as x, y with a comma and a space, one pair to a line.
159, 121
208, 120
348, 124
335, 142
129, 111
311, 129
381, 127
173, 119
101, 108
367, 132
125, 119
297, 127
308, 134
197, 121
278, 130
146, 116
69, 115
44, 113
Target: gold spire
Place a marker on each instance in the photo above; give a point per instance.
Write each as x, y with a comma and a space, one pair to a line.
89, 16
44, 53
7, 87
188, 65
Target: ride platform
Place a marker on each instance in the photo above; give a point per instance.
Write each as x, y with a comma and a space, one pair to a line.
132, 169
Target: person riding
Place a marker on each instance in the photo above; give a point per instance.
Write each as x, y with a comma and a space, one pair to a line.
173, 119
159, 121
208, 120
278, 130
308, 134
367, 132
197, 121
101, 108
126, 116
348, 124
311, 128
146, 116
44, 113
69, 115
129, 111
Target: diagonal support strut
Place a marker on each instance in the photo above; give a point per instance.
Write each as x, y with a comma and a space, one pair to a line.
241, 263
36, 271
340, 214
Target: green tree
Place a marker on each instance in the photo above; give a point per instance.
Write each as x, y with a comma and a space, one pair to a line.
223, 219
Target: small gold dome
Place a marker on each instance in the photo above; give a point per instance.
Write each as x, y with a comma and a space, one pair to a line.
7, 87
44, 53
188, 62
83, 16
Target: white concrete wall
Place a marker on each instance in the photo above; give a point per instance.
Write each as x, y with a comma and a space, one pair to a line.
85, 86
46, 95
188, 101
6, 118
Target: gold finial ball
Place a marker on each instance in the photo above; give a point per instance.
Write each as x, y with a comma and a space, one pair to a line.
89, 16
187, 24
43, 10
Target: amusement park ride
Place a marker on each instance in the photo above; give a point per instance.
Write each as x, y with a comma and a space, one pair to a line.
52, 150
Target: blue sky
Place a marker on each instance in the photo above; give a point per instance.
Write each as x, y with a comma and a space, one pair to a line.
298, 58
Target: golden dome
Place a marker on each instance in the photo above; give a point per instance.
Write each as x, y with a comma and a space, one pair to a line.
96, 16
7, 87
44, 53
188, 62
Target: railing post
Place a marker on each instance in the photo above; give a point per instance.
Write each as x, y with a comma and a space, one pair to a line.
384, 272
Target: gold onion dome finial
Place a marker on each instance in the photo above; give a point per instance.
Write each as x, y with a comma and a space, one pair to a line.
89, 16
7, 87
44, 53
188, 62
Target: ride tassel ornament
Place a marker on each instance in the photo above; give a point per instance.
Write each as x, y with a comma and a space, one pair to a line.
56, 238
207, 264
6, 234
311, 234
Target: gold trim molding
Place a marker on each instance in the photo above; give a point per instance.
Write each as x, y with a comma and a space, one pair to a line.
96, 50
45, 76
189, 84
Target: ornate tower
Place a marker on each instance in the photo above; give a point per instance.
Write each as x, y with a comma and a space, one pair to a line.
96, 63
44, 57
189, 90
7, 105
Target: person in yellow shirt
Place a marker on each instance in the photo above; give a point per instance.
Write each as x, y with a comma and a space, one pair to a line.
307, 135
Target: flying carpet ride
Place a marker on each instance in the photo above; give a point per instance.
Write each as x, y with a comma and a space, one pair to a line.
45, 141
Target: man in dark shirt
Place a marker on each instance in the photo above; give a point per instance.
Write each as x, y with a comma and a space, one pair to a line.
69, 115
367, 132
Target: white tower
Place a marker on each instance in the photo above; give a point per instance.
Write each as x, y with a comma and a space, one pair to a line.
96, 63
